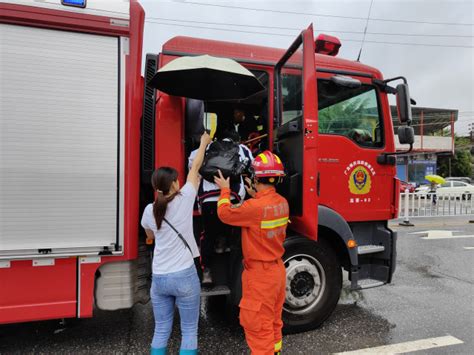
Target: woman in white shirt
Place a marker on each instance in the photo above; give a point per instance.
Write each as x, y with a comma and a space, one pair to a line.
169, 221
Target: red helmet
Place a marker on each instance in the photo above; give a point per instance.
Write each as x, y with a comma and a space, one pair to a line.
267, 164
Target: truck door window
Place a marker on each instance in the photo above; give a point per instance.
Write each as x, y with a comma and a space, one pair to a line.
350, 112
292, 95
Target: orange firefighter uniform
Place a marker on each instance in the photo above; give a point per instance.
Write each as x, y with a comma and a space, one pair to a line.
263, 220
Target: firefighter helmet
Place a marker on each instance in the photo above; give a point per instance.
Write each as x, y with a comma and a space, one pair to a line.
267, 164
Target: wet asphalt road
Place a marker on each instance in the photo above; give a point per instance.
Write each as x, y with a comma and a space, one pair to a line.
432, 295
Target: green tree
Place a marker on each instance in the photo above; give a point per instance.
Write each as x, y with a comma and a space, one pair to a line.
342, 117
460, 163
463, 163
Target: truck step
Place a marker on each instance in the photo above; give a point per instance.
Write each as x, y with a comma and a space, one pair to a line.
370, 249
369, 283
207, 291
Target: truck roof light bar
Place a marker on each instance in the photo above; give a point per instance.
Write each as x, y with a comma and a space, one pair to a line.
328, 45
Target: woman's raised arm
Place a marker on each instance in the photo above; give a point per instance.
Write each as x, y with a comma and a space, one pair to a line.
193, 175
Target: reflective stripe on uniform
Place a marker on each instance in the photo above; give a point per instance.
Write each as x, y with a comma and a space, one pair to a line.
223, 201
213, 119
274, 223
278, 346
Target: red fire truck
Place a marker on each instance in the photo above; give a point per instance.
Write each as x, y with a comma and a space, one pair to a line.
82, 132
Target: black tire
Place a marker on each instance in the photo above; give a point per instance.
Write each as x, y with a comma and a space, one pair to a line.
299, 252
466, 196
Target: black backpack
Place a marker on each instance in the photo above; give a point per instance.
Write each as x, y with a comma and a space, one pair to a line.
223, 156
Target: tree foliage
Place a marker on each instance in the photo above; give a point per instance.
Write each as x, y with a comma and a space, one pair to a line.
342, 117
460, 163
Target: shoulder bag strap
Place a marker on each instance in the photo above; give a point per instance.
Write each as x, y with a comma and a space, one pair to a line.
179, 235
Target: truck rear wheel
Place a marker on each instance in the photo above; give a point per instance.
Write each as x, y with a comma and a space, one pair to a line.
313, 284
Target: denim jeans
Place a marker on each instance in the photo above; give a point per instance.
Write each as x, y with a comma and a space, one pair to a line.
183, 289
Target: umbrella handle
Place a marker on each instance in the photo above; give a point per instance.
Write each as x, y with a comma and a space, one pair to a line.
255, 139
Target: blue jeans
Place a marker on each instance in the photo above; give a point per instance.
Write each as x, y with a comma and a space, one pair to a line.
183, 289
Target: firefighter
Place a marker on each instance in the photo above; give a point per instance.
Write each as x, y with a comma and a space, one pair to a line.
263, 219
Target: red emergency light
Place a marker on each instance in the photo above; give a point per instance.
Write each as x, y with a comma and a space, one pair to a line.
328, 45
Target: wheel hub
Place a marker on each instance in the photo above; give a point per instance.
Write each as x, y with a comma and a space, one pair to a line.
304, 283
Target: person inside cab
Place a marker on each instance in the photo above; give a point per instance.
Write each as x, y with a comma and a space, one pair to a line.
244, 124
263, 219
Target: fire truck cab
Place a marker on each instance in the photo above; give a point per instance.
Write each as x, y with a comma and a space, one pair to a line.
329, 120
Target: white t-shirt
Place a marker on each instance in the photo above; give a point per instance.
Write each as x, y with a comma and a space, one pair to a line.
244, 153
171, 255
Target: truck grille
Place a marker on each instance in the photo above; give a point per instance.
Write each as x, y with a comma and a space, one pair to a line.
148, 120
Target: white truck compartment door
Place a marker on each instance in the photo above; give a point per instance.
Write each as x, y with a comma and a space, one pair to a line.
59, 140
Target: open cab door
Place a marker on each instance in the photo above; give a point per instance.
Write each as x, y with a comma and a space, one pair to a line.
296, 131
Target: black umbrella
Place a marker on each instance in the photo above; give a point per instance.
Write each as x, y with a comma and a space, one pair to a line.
206, 78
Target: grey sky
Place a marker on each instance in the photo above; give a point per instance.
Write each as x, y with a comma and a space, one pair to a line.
441, 77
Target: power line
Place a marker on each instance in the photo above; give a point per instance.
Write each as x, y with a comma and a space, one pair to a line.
431, 118
292, 36
430, 124
299, 29
326, 15
224, 29
430, 113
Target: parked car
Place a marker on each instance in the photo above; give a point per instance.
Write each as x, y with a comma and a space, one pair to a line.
406, 185
456, 189
459, 178
422, 190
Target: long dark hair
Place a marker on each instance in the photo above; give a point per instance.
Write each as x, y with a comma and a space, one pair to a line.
161, 181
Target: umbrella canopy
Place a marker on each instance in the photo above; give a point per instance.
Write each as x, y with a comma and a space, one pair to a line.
206, 78
435, 178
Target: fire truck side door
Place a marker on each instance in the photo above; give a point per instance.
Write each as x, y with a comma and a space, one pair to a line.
296, 131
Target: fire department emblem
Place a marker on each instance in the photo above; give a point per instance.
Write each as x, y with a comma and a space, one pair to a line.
360, 181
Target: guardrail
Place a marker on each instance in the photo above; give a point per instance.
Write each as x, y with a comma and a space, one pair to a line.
415, 204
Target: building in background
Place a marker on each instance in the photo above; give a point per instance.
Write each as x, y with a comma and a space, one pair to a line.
434, 136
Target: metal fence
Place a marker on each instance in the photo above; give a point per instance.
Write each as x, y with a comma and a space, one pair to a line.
433, 205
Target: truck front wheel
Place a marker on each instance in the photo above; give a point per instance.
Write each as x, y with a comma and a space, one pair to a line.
313, 284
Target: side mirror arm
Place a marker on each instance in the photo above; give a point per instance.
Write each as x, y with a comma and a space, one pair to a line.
390, 158
384, 87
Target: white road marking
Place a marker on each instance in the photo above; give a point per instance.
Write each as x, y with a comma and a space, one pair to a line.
469, 248
441, 234
407, 347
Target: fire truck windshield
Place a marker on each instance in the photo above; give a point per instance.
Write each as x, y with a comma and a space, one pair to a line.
350, 112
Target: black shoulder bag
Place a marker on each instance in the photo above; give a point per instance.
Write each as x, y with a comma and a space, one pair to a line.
180, 236
197, 261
